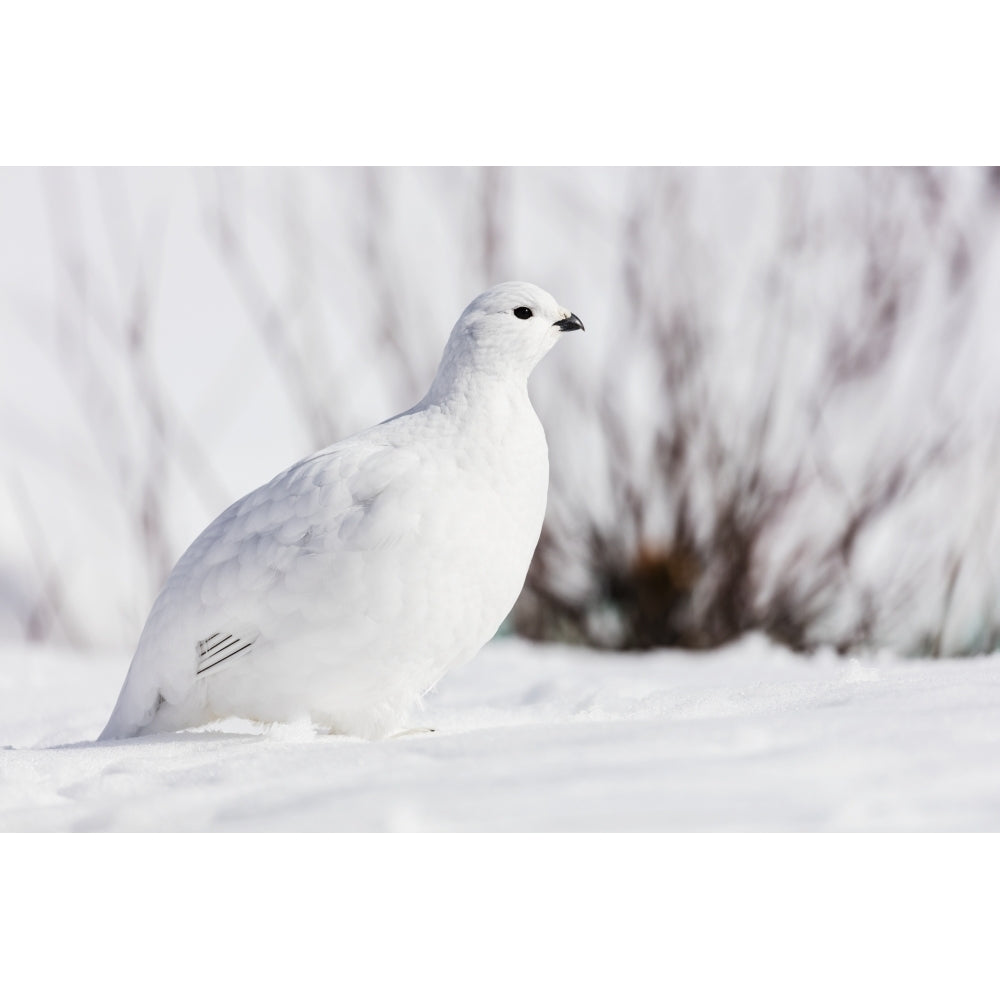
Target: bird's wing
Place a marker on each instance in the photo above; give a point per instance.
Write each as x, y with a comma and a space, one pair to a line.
289, 550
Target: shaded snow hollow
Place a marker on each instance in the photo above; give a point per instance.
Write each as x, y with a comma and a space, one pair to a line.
535, 738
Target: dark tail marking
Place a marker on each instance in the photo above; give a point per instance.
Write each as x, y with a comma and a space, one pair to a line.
219, 647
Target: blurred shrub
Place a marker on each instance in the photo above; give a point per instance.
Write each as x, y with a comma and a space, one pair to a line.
782, 438
783, 415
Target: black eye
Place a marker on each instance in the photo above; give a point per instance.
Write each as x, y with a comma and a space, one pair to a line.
522, 312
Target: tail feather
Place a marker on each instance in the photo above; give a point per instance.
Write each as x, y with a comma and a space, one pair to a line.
133, 711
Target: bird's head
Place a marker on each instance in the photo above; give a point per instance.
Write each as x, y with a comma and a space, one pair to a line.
507, 330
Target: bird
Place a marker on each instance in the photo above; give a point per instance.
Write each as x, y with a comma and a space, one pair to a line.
345, 588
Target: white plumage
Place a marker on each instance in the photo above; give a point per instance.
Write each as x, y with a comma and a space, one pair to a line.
346, 587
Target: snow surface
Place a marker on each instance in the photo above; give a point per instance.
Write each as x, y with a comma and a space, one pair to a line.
535, 738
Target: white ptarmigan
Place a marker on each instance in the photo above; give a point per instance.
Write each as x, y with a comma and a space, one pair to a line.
346, 587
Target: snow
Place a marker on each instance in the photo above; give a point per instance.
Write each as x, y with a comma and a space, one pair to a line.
535, 738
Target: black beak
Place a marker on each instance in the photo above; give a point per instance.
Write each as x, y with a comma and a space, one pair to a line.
571, 322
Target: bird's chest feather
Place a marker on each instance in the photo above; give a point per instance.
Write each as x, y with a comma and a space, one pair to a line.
482, 514
493, 493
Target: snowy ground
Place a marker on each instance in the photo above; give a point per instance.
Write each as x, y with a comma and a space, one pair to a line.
535, 738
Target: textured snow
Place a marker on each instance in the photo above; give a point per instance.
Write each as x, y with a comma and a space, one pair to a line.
532, 738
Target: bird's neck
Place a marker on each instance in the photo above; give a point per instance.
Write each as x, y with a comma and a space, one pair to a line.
459, 388
481, 404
